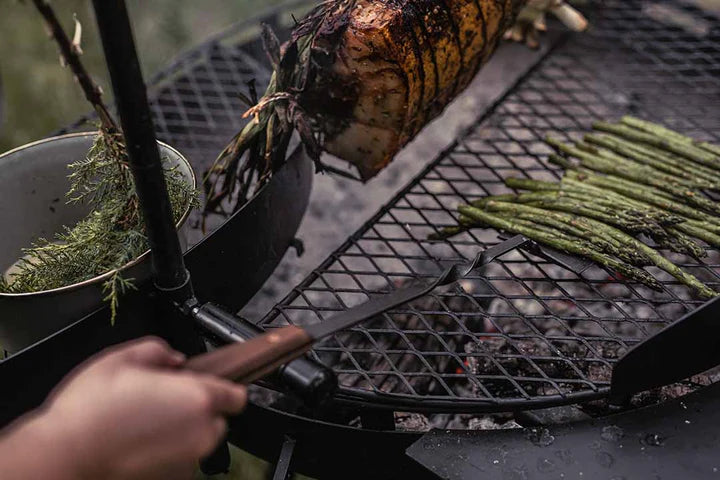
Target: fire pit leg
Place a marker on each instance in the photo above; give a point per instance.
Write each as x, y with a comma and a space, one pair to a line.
218, 462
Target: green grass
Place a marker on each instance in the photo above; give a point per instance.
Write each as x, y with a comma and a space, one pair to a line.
40, 96
244, 466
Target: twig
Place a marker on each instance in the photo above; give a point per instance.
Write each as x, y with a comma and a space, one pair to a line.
70, 54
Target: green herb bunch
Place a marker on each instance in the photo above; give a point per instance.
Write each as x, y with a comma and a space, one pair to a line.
109, 237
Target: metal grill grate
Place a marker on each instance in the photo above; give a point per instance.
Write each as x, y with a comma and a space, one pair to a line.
525, 332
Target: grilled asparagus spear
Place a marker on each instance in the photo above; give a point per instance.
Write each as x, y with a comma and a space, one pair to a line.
640, 178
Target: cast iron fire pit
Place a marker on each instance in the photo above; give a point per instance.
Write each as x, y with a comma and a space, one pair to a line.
525, 334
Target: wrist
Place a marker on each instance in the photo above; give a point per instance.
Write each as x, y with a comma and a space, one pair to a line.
37, 448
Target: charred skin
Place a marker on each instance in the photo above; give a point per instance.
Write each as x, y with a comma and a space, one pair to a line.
382, 69
359, 79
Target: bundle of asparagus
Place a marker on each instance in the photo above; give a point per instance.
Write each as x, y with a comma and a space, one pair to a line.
633, 177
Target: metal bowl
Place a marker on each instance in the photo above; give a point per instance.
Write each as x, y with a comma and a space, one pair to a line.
33, 184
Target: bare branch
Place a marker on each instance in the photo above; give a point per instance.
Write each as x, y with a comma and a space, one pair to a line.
69, 52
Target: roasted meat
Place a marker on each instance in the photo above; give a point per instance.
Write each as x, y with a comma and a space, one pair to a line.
359, 79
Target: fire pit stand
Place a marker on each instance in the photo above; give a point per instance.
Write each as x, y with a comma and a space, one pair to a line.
524, 334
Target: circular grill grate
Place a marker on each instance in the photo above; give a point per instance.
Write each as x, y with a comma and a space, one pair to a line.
525, 332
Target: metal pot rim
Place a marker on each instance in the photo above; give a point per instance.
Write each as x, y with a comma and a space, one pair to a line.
109, 273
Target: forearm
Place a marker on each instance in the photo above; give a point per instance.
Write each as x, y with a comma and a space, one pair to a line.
33, 448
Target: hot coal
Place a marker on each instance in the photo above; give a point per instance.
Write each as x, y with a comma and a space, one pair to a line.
507, 336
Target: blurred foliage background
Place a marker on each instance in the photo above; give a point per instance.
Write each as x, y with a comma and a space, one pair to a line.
39, 96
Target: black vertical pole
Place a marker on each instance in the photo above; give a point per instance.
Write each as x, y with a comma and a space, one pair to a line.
169, 273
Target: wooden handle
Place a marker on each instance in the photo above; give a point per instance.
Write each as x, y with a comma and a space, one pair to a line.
248, 361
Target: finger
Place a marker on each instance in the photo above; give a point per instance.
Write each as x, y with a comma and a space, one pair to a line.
226, 397
216, 431
148, 351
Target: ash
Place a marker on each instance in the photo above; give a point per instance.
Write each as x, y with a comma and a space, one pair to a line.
418, 422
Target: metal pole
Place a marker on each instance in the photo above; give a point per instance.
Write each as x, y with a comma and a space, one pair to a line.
169, 271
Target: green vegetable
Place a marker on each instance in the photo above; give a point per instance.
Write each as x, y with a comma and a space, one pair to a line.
637, 178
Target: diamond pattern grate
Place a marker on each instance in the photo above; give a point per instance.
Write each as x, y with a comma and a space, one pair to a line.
525, 332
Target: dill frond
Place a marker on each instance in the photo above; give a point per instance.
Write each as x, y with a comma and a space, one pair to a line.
116, 286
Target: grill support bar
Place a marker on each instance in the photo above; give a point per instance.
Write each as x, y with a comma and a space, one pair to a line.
169, 271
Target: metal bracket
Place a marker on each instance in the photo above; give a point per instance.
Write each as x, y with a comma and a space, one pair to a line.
282, 468
687, 347
231, 264
573, 263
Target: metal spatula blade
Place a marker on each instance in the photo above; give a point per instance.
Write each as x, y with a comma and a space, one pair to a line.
687, 347
251, 360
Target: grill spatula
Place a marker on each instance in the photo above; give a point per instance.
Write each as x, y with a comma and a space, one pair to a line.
252, 360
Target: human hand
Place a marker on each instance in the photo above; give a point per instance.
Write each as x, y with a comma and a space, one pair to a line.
131, 413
